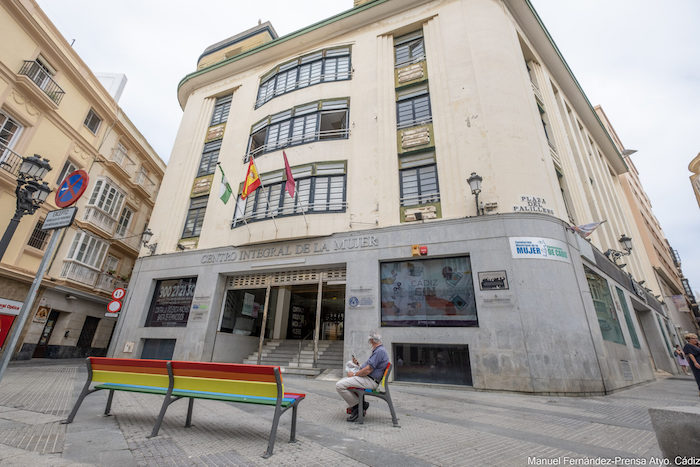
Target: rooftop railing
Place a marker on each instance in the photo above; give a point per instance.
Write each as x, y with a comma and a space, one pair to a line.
34, 71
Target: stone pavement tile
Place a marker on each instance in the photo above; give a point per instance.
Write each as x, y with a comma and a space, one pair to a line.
28, 417
45, 438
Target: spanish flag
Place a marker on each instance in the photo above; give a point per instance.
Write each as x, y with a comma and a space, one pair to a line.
252, 180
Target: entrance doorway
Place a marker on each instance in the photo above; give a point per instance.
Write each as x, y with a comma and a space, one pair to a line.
86, 335
43, 344
303, 306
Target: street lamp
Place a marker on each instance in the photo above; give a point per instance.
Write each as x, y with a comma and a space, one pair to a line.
31, 192
474, 181
145, 238
626, 245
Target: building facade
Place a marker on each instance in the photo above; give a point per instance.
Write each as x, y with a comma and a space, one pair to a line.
694, 167
384, 112
52, 105
664, 263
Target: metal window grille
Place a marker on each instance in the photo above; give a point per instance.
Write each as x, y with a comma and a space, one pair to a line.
419, 185
39, 237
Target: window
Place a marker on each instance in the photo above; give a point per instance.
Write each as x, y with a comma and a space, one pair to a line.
318, 188
603, 303
40, 72
195, 217
628, 317
413, 107
302, 124
326, 65
432, 363
545, 124
171, 303
428, 292
418, 179
111, 264
124, 220
92, 121
107, 197
68, 167
243, 312
9, 131
221, 110
565, 195
87, 250
409, 49
210, 156
39, 237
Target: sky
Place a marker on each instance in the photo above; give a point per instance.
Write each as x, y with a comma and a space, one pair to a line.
639, 60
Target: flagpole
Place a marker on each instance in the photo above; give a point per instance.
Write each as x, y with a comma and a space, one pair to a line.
235, 208
274, 221
288, 173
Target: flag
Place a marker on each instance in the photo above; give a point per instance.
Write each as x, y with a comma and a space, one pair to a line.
587, 229
252, 180
289, 186
225, 189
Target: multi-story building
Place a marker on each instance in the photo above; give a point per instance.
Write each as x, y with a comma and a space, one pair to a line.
660, 261
694, 167
51, 104
386, 113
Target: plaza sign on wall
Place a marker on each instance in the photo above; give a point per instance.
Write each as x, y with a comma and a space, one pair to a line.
539, 248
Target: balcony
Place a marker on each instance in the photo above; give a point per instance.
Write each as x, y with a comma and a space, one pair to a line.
9, 160
100, 219
108, 282
120, 157
129, 239
79, 272
145, 183
36, 72
294, 140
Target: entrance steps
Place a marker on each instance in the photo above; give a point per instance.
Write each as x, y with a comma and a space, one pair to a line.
287, 355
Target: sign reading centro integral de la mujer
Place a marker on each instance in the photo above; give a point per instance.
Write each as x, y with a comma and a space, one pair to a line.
171, 302
539, 248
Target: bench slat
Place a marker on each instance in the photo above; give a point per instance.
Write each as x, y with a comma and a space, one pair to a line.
224, 386
234, 397
131, 362
130, 369
128, 387
224, 367
133, 379
220, 374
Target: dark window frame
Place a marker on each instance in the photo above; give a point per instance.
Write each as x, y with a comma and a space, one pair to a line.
415, 103
209, 159
222, 108
195, 214
279, 77
39, 238
429, 197
408, 42
90, 119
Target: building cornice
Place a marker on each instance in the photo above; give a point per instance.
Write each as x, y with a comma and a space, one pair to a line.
290, 44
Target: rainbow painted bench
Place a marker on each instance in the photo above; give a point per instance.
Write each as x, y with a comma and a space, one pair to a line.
229, 382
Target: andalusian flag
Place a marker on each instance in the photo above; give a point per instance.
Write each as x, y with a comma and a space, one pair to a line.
252, 180
225, 189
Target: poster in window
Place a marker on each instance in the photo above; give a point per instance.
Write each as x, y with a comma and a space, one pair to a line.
428, 292
171, 303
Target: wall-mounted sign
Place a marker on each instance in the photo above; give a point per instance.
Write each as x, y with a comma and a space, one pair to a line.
171, 303
493, 280
59, 218
10, 307
532, 204
42, 314
539, 248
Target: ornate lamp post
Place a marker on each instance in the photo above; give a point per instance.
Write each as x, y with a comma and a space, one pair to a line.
474, 181
626, 245
31, 193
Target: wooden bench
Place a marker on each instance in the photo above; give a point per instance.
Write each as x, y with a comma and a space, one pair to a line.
229, 382
381, 392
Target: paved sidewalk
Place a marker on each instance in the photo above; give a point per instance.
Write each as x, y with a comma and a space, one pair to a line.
439, 426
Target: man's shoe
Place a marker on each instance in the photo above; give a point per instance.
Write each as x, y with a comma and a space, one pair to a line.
365, 405
353, 414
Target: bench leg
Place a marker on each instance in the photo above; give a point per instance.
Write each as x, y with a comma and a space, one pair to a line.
86, 390
188, 422
108, 407
292, 437
387, 398
273, 432
361, 409
161, 415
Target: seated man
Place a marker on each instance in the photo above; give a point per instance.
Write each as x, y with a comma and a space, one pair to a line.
368, 376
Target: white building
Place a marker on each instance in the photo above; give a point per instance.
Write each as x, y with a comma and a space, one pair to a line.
384, 111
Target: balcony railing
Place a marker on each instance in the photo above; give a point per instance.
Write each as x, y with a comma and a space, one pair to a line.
122, 159
9, 160
423, 198
107, 282
79, 272
34, 71
298, 139
131, 239
100, 219
424, 120
265, 213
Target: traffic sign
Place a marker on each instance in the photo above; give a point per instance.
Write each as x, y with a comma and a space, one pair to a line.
118, 293
114, 306
71, 188
59, 218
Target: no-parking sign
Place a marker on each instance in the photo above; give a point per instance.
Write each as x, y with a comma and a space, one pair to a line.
72, 188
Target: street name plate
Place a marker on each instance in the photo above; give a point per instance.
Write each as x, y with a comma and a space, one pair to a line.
59, 218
